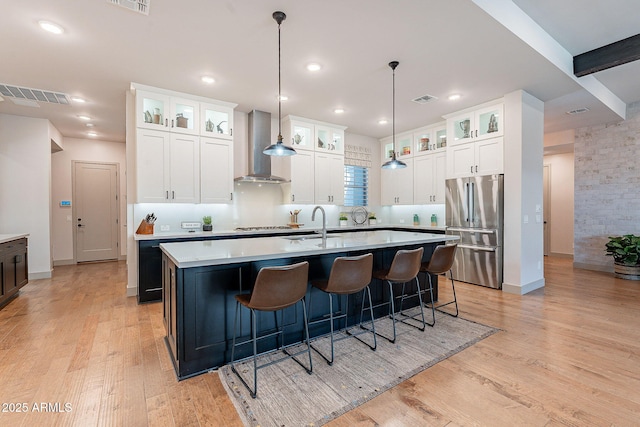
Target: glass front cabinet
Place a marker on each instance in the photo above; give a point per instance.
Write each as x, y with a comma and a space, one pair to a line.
482, 123
216, 121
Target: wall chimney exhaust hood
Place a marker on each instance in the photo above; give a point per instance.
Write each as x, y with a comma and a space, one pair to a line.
259, 139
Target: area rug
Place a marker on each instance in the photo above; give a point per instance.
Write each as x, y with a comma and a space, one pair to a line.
288, 396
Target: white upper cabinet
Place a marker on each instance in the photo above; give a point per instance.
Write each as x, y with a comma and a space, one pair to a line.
163, 112
329, 179
484, 157
167, 167
307, 134
481, 123
429, 178
216, 170
397, 185
216, 120
299, 169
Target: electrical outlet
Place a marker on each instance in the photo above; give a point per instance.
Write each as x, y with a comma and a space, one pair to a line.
401, 221
526, 219
165, 228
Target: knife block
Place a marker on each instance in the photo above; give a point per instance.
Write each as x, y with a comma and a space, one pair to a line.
145, 228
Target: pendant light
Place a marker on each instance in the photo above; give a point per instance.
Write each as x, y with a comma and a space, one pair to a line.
279, 149
394, 163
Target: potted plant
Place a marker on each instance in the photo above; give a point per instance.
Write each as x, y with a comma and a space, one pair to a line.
206, 221
372, 218
343, 219
625, 251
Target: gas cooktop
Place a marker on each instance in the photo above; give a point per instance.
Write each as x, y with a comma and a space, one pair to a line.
264, 227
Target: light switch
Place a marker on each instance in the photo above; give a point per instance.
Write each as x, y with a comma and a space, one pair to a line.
165, 228
538, 218
538, 208
526, 219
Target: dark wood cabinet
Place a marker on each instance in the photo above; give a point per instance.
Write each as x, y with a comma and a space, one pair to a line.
14, 268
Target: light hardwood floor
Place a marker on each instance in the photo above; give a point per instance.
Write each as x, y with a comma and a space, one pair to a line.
568, 354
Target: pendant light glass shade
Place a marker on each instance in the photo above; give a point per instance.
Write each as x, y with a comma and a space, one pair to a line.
279, 149
394, 163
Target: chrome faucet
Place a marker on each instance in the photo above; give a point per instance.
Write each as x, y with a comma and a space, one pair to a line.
324, 220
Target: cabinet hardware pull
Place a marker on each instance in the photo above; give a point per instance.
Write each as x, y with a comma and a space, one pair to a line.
231, 196
476, 168
471, 169
231, 132
166, 122
173, 195
293, 197
167, 195
171, 123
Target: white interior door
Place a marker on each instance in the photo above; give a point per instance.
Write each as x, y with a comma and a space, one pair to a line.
546, 208
95, 211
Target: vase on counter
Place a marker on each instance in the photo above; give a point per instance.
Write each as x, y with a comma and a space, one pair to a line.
373, 221
344, 223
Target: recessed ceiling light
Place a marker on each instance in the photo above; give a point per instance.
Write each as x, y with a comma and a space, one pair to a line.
51, 27
314, 66
78, 99
81, 117
92, 134
89, 125
339, 110
382, 122
283, 98
208, 79
454, 97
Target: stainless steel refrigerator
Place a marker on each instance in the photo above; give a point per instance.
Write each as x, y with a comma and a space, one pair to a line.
475, 213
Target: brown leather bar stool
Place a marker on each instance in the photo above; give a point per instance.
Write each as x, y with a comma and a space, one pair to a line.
349, 275
276, 288
440, 263
404, 268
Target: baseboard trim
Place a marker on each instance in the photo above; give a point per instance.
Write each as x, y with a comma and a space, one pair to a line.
593, 267
132, 292
560, 255
522, 289
40, 275
59, 262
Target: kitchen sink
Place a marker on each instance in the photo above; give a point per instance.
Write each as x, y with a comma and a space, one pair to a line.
308, 237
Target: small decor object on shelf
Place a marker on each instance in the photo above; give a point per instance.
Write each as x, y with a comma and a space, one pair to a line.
344, 221
372, 218
209, 126
625, 251
493, 124
206, 223
181, 121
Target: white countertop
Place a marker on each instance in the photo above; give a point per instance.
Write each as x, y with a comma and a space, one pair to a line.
219, 252
9, 237
181, 234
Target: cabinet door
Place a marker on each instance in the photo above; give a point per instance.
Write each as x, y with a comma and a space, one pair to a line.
329, 179
460, 129
387, 187
489, 122
404, 183
302, 177
439, 177
152, 110
216, 170
489, 157
460, 160
216, 121
299, 135
152, 164
423, 183
338, 140
185, 115
184, 155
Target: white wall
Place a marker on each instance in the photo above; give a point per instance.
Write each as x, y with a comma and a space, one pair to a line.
25, 180
560, 203
88, 150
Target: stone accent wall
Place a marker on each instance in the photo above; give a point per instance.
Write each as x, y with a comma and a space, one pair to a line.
607, 187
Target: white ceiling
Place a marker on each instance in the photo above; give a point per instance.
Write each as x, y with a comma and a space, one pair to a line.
444, 47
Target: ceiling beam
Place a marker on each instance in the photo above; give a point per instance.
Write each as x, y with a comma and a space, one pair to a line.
608, 56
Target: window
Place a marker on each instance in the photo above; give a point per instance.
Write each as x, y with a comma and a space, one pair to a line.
356, 183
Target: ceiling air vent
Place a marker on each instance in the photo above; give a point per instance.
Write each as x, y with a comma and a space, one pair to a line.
29, 96
424, 99
578, 110
140, 6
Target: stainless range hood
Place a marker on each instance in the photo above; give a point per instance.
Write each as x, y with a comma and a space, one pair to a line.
259, 139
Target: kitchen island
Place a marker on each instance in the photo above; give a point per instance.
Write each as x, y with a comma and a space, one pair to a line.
14, 268
201, 278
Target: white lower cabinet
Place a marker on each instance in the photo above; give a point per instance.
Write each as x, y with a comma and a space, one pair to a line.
397, 185
329, 179
484, 157
216, 170
167, 167
429, 178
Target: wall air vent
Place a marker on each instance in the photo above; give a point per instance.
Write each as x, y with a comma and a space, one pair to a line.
140, 6
424, 99
29, 96
578, 111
